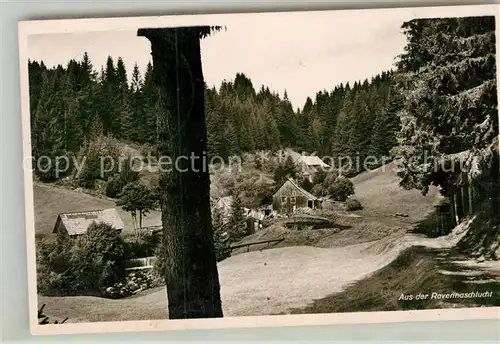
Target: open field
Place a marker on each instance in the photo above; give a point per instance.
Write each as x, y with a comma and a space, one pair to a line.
278, 286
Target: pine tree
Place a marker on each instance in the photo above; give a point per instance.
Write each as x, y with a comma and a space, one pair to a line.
221, 235
237, 223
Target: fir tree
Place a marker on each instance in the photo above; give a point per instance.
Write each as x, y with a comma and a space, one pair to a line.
237, 223
448, 78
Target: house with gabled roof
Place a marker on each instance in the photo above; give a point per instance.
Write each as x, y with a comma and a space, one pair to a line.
290, 197
77, 223
307, 165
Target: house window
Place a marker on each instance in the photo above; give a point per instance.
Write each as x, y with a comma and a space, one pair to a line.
283, 199
292, 200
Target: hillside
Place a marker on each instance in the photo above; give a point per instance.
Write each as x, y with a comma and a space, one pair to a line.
313, 266
382, 198
379, 193
276, 284
299, 279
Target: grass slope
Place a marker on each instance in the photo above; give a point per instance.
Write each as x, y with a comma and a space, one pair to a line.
380, 194
291, 277
417, 270
49, 201
382, 198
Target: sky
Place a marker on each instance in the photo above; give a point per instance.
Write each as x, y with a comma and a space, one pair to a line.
301, 52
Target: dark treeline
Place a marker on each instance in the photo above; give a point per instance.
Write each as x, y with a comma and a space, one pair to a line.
72, 104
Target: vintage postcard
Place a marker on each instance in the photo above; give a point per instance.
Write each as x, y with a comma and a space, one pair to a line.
261, 169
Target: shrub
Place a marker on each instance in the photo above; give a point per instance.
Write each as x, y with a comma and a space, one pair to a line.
84, 265
317, 190
221, 236
160, 264
142, 246
341, 189
55, 165
285, 170
99, 160
353, 204
306, 184
330, 179
319, 177
126, 175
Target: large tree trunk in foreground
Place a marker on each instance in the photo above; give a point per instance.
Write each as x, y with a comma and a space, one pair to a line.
191, 270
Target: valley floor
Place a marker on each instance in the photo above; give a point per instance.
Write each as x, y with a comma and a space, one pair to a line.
300, 279
364, 264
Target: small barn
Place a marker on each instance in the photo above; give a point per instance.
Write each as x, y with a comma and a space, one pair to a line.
290, 196
74, 224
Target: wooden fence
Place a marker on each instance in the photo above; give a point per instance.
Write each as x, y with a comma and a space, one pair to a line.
247, 245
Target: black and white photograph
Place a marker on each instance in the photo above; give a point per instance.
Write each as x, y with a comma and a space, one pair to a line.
261, 169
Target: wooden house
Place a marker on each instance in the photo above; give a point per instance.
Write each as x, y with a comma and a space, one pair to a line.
290, 197
307, 165
74, 224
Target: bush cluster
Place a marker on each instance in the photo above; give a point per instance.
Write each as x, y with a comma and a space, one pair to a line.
85, 265
337, 186
353, 204
143, 246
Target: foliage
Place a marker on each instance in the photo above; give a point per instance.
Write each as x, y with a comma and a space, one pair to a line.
306, 184
44, 320
126, 174
221, 235
254, 189
319, 177
139, 200
318, 190
97, 160
285, 170
353, 204
142, 246
73, 104
82, 265
447, 76
333, 184
341, 189
160, 264
237, 222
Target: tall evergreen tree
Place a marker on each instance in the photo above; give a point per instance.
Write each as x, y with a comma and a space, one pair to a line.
450, 118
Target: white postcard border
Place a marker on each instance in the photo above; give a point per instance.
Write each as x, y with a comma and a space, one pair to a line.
27, 28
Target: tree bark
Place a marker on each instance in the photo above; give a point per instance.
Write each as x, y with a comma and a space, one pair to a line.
191, 270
